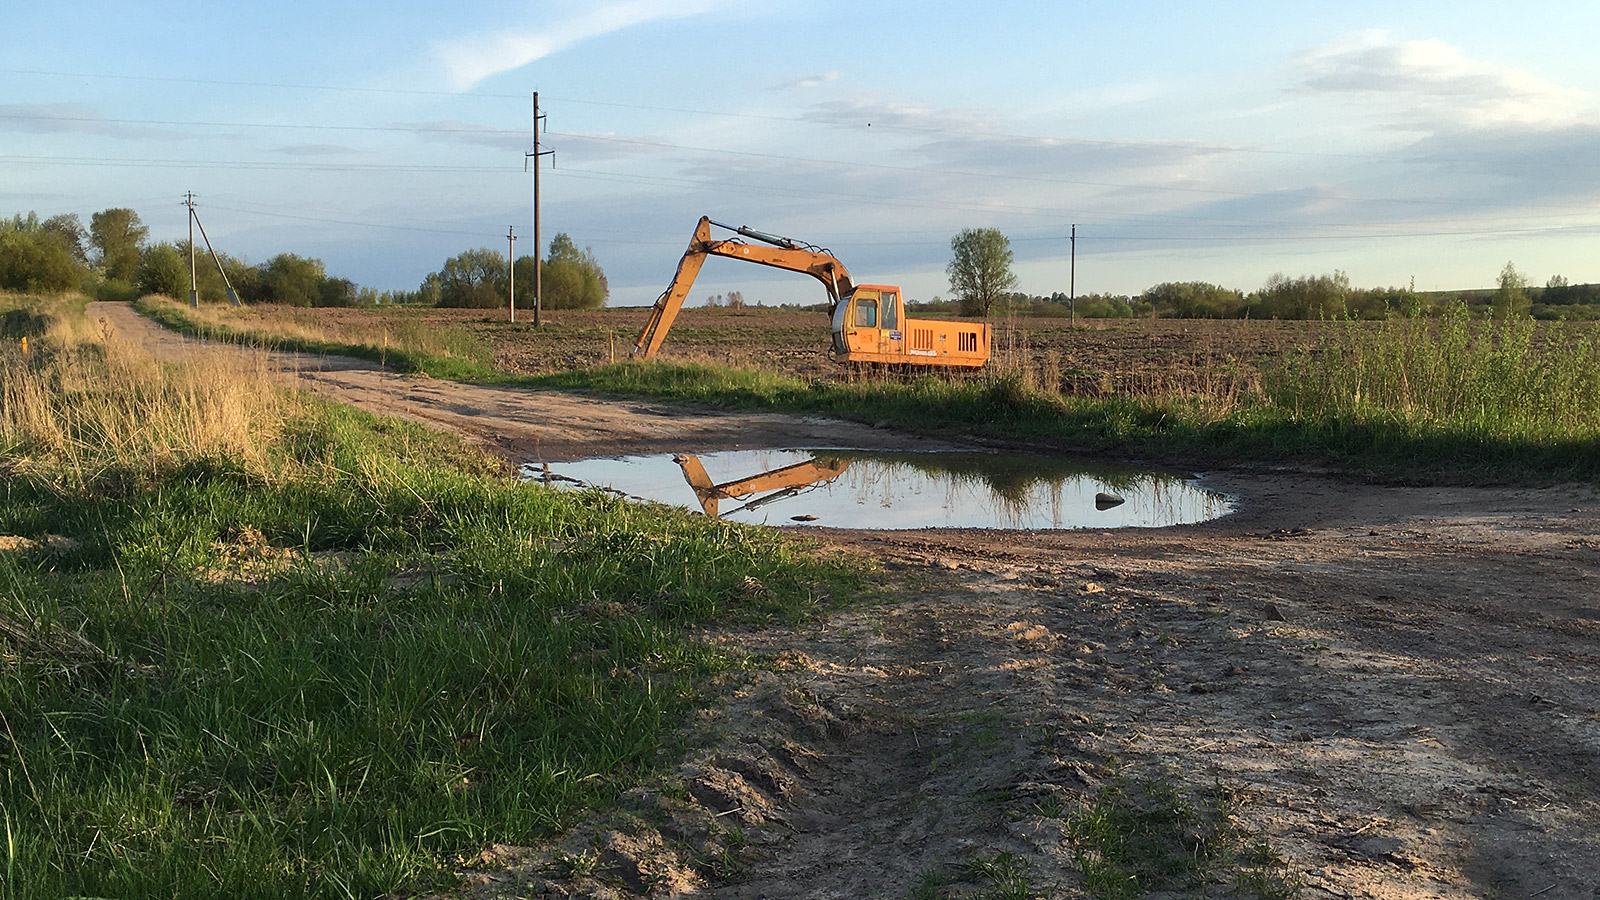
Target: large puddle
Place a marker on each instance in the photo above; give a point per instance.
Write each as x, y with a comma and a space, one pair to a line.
885, 490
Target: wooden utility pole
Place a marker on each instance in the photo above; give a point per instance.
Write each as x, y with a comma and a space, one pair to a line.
1072, 279
194, 287
538, 253
511, 267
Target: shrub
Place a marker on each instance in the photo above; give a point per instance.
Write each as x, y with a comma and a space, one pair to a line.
162, 270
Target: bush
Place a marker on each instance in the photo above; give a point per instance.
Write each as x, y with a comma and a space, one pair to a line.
162, 270
292, 280
116, 290
36, 260
1194, 300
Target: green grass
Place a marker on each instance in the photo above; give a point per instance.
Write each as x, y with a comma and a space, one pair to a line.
412, 347
1155, 834
1450, 400
328, 670
1370, 440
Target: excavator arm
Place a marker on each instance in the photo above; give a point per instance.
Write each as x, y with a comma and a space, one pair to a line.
787, 480
782, 254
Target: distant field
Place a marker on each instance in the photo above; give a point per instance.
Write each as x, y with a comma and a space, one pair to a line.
1094, 357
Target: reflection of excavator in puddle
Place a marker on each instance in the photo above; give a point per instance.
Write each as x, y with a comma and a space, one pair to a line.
869, 323
784, 482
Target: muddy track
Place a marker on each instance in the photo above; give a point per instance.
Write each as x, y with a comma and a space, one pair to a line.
522, 425
1401, 685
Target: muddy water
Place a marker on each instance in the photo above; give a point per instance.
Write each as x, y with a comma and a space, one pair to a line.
878, 490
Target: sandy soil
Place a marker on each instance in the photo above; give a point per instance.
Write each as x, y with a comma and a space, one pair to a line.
1401, 684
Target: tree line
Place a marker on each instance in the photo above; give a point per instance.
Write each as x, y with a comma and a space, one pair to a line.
481, 279
113, 259
981, 279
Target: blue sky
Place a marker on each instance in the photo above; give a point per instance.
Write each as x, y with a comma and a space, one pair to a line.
1214, 141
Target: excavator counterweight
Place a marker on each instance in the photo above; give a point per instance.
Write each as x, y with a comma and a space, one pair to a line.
868, 321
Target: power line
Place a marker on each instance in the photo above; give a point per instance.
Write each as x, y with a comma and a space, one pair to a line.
999, 175
181, 123
1051, 238
802, 120
465, 130
331, 221
243, 164
661, 144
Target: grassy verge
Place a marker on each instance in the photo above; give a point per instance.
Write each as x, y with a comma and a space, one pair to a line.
1447, 400
1371, 440
295, 651
394, 341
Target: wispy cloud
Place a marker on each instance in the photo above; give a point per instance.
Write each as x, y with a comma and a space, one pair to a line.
1432, 84
469, 60
316, 150
68, 118
457, 131
810, 82
868, 109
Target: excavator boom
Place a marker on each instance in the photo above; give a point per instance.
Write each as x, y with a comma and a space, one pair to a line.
785, 481
869, 322
783, 254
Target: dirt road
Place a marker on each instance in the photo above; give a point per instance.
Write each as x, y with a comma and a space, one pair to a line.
519, 424
1400, 688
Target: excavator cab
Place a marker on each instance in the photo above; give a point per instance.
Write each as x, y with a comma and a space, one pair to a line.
869, 320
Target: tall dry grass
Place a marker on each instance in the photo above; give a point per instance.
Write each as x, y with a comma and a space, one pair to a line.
1512, 378
82, 404
321, 328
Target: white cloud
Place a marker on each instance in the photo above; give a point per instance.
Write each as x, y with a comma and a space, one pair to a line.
879, 109
1431, 83
810, 82
469, 60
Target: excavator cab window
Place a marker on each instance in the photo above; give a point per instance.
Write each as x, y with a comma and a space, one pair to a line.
866, 314
891, 312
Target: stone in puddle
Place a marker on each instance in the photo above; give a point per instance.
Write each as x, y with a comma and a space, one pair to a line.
1104, 500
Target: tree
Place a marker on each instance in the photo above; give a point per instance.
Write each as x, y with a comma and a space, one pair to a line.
337, 292
475, 279
1511, 298
1306, 297
1557, 291
292, 280
563, 247
1194, 300
35, 256
573, 278
163, 269
980, 269
36, 261
119, 236
70, 231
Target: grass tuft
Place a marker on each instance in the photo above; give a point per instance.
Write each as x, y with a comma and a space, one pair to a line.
1155, 834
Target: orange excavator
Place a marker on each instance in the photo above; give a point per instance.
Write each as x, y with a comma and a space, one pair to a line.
869, 322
